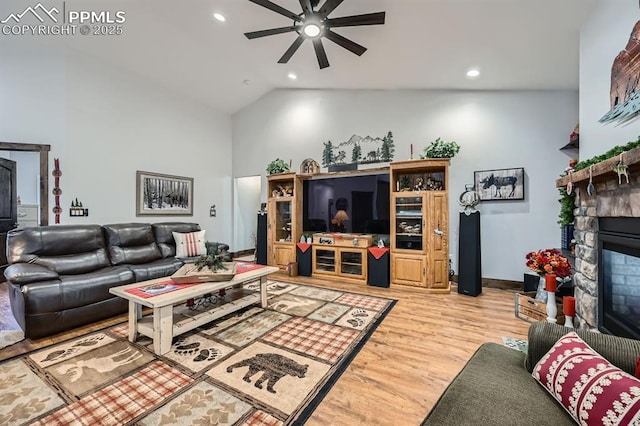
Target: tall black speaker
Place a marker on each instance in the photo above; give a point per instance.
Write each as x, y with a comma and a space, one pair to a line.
469, 261
261, 239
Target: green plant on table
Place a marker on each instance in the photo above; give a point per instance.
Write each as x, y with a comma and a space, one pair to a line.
214, 259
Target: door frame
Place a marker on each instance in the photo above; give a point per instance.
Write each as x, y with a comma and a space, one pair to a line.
44, 172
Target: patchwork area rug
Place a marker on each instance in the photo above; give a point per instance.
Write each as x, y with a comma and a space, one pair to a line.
254, 367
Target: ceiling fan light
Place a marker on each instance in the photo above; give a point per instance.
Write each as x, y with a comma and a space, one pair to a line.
312, 30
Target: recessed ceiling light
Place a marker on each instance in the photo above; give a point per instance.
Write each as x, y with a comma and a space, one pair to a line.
292, 76
473, 73
220, 17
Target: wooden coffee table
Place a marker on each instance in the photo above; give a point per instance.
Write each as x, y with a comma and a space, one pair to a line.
171, 317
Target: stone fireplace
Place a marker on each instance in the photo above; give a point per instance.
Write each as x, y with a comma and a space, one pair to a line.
622, 273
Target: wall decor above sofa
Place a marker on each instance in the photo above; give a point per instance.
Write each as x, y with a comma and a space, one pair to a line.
161, 195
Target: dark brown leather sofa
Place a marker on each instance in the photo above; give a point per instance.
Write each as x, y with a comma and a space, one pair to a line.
59, 276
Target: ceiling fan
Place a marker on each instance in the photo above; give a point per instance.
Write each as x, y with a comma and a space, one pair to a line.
314, 24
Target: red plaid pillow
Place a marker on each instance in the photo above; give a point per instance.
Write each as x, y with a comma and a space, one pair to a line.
190, 244
638, 368
590, 388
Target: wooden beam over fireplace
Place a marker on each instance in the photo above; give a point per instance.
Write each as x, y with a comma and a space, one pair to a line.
630, 158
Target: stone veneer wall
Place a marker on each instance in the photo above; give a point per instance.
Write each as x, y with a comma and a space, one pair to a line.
610, 200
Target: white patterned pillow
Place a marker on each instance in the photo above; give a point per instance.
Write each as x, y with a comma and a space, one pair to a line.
190, 244
590, 388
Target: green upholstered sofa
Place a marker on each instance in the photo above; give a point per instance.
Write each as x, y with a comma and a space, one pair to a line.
496, 387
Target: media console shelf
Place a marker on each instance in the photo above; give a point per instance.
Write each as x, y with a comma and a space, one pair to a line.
341, 255
408, 200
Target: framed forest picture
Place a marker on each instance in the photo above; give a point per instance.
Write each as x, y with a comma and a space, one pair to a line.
159, 195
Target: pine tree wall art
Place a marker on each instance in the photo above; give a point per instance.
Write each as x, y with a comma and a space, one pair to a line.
357, 151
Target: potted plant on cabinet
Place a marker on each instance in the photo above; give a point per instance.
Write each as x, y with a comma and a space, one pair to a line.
440, 149
277, 166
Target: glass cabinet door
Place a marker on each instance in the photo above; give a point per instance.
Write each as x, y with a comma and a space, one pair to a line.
409, 223
283, 221
326, 260
351, 263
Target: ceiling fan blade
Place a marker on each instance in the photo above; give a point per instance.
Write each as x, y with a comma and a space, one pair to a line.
273, 31
291, 50
328, 7
306, 7
351, 46
278, 9
351, 21
320, 53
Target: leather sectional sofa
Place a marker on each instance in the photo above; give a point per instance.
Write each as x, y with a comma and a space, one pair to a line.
59, 276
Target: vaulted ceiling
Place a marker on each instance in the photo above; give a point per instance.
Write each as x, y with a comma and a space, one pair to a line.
424, 44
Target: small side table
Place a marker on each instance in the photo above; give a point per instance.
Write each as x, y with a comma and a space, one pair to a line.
378, 273
303, 254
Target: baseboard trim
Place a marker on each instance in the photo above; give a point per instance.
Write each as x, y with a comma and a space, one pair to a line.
242, 253
498, 283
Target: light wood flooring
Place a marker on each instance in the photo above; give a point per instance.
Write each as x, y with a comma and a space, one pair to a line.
407, 363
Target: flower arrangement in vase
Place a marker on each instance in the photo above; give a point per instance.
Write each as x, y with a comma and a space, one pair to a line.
548, 262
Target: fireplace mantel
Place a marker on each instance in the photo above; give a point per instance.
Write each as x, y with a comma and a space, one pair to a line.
604, 169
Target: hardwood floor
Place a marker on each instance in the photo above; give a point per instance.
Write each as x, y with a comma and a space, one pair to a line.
407, 363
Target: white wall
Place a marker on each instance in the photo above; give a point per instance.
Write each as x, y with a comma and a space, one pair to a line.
602, 37
495, 129
104, 124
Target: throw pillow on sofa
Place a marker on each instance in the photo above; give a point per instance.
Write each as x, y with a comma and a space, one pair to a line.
590, 388
190, 244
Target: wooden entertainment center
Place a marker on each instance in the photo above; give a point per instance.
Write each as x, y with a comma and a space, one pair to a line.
419, 227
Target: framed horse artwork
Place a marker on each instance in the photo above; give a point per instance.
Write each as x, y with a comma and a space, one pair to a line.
500, 185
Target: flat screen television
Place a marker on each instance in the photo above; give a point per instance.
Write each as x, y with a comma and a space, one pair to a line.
363, 198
